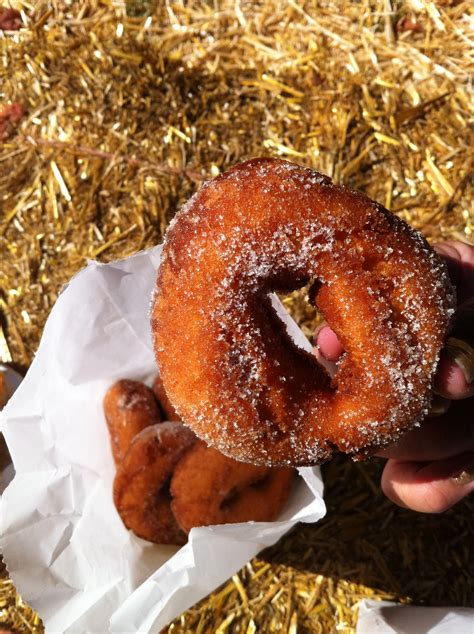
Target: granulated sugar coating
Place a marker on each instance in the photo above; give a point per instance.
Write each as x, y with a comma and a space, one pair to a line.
225, 358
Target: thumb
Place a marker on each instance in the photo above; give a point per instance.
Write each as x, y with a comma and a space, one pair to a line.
429, 487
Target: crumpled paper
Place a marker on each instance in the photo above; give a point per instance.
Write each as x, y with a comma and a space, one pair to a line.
65, 546
385, 617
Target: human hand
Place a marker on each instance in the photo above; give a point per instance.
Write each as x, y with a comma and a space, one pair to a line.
431, 468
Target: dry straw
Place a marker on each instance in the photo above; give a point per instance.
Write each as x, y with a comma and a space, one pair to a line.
123, 108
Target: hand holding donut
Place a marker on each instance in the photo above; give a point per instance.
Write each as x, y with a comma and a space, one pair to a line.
431, 467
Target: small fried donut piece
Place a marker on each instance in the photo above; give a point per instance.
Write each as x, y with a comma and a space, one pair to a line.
3, 390
141, 485
165, 403
210, 488
129, 407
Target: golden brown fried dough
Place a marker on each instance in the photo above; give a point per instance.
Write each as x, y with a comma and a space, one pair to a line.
141, 485
129, 407
226, 360
3, 390
210, 488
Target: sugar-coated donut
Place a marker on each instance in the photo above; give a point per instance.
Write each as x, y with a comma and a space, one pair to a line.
210, 488
165, 403
129, 407
141, 485
225, 358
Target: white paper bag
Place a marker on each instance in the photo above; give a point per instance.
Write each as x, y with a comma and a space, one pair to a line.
65, 546
384, 617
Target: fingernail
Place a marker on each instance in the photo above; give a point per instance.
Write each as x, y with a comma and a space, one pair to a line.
462, 471
462, 353
439, 406
465, 477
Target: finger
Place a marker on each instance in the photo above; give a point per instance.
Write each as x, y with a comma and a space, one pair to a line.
439, 406
431, 487
451, 380
329, 366
328, 344
455, 375
437, 438
460, 261
455, 372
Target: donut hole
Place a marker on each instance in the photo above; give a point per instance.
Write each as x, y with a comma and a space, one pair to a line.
164, 493
301, 305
